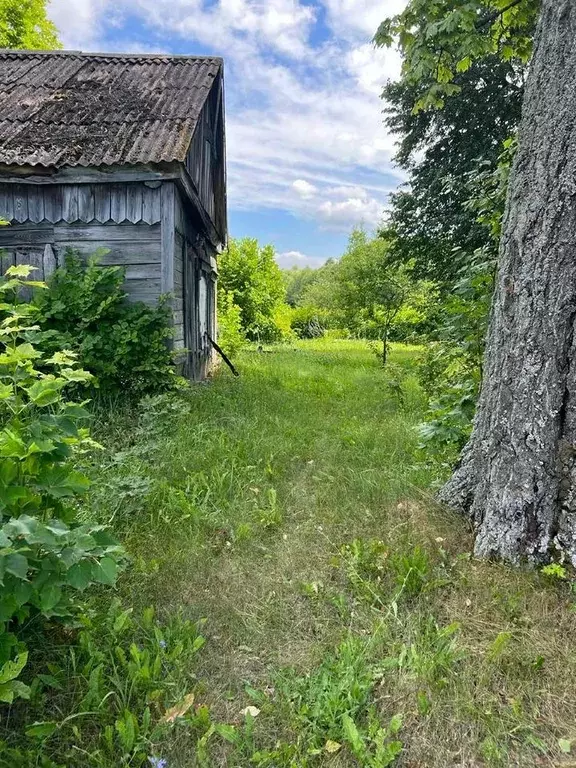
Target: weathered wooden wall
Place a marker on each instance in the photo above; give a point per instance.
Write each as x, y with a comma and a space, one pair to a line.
135, 246
46, 219
206, 161
107, 202
194, 263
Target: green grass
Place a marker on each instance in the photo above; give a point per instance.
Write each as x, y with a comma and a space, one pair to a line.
291, 510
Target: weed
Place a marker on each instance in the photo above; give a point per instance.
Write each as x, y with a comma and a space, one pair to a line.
119, 689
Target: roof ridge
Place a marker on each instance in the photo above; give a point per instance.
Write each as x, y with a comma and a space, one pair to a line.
16, 52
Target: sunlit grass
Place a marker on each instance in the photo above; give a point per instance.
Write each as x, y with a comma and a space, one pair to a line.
240, 500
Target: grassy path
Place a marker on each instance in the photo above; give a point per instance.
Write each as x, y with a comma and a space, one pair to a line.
289, 509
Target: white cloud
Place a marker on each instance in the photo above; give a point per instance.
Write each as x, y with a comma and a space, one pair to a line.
355, 211
304, 188
304, 123
360, 17
78, 21
297, 259
367, 65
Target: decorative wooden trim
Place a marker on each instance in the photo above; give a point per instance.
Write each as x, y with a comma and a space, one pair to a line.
31, 174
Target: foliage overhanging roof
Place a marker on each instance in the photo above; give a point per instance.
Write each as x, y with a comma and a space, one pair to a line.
69, 108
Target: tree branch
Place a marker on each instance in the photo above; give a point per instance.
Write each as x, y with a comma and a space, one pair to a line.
497, 14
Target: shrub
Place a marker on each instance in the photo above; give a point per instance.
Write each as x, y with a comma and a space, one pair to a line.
125, 345
114, 695
231, 337
46, 557
310, 322
249, 273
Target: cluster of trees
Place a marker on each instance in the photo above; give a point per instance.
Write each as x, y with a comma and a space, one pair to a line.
365, 293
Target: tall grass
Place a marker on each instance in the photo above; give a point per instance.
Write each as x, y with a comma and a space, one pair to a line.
346, 622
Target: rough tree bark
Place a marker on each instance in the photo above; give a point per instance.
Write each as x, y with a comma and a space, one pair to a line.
517, 475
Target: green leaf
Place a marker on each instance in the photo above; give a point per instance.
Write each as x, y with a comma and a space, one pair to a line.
51, 682
61, 482
21, 526
227, 732
126, 730
6, 391
50, 597
11, 669
45, 392
107, 571
8, 607
20, 270
22, 592
395, 724
565, 746
64, 357
81, 574
42, 730
20, 354
464, 64
17, 565
122, 620
13, 689
57, 527
352, 735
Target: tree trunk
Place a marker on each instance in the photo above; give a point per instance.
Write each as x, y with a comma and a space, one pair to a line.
385, 347
517, 475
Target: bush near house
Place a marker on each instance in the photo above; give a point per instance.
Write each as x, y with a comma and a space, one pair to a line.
47, 555
124, 345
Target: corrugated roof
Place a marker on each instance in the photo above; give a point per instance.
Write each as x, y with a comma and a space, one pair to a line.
71, 108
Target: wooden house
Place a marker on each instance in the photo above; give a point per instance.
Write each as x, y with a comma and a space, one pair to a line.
121, 152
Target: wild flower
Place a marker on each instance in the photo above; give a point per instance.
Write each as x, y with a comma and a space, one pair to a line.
158, 762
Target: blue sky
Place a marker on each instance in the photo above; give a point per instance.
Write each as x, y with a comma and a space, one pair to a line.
308, 155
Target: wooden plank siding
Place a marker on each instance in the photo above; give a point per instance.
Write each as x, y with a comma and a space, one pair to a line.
134, 246
200, 160
134, 202
178, 257
205, 160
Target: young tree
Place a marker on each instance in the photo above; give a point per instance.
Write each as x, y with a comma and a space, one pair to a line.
251, 278
517, 477
297, 281
24, 24
368, 289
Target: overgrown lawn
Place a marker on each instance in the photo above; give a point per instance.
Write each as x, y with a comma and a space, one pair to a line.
346, 622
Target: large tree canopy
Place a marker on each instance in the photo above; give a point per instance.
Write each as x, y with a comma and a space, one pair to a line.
440, 38
24, 24
443, 151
